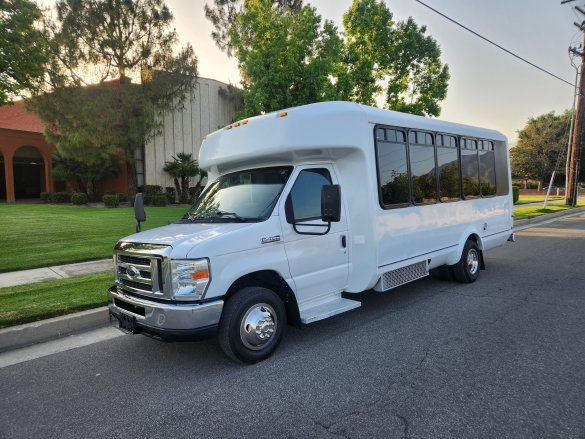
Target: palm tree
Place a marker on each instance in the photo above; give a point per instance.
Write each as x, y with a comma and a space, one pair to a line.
182, 168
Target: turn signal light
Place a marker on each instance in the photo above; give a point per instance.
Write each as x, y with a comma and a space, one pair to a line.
198, 275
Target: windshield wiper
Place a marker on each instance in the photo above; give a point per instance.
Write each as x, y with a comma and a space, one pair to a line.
232, 214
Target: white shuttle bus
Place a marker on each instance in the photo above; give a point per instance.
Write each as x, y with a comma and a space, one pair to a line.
306, 206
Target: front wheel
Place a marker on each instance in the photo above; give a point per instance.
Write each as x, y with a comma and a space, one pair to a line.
252, 324
467, 269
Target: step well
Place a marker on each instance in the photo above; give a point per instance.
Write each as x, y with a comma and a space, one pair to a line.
329, 308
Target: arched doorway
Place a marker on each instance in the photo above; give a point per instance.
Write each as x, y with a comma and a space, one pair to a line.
2, 179
29, 173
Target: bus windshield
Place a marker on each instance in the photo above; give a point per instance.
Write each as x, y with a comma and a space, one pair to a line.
243, 196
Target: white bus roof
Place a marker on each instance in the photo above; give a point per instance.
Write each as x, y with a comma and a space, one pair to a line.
320, 131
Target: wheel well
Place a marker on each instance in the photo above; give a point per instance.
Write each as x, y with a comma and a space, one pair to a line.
475, 238
274, 282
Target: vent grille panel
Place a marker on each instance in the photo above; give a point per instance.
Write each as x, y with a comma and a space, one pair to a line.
401, 276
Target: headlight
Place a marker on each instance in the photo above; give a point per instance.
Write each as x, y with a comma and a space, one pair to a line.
189, 278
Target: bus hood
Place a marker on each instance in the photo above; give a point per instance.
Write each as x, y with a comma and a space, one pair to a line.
202, 240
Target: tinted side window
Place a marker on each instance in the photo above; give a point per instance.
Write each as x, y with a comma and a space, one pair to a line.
487, 169
422, 167
448, 167
393, 169
306, 193
469, 168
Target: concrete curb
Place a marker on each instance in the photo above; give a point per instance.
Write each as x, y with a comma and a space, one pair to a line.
50, 329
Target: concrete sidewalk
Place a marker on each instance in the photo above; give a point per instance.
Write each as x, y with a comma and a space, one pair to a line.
22, 277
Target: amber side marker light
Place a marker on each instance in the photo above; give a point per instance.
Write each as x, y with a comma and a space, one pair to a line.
282, 114
198, 275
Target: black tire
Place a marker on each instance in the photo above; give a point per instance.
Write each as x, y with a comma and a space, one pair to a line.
240, 341
467, 269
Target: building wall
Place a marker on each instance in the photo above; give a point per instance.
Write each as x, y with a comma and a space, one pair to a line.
11, 141
183, 130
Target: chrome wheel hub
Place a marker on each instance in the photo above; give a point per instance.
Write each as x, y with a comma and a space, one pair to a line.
472, 261
258, 326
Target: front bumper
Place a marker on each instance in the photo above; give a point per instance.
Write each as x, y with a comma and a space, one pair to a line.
168, 321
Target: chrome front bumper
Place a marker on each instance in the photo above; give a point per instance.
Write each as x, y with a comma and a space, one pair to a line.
167, 321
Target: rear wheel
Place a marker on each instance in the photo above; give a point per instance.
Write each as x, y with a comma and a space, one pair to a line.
252, 324
467, 269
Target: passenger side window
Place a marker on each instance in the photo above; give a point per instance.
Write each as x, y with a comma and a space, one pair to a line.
306, 193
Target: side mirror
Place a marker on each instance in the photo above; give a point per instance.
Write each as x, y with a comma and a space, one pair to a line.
139, 212
331, 203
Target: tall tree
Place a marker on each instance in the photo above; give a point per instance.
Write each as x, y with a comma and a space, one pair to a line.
22, 49
223, 13
286, 56
539, 144
112, 63
393, 59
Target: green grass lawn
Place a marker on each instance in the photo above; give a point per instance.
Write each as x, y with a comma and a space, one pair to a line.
40, 235
523, 213
32, 302
525, 199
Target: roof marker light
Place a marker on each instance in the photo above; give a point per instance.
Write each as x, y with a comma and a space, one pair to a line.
237, 124
229, 127
245, 122
282, 114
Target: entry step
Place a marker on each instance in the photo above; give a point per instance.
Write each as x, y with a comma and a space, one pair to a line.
328, 309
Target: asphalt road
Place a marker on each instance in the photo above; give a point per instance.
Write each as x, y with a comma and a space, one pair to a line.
503, 357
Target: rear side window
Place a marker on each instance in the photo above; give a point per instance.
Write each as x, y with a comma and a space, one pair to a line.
306, 193
469, 168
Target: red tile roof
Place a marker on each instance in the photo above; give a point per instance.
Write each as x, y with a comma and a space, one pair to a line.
16, 117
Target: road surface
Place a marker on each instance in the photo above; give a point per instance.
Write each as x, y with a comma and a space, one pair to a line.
503, 357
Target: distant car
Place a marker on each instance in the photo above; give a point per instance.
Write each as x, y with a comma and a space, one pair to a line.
553, 188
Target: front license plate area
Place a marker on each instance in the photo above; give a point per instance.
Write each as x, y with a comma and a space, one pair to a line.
127, 323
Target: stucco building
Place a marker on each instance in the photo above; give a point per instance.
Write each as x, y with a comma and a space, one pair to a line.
25, 156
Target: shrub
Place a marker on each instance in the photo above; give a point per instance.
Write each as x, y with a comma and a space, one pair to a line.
110, 200
46, 197
79, 198
170, 193
147, 199
516, 193
61, 197
159, 200
150, 189
122, 198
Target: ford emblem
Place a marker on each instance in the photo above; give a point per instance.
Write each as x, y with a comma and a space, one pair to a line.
132, 272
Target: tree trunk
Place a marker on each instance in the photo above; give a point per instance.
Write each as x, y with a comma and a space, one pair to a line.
177, 188
184, 190
131, 173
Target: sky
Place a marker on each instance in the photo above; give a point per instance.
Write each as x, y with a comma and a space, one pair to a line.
488, 87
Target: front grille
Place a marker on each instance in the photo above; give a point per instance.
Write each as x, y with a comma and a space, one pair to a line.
143, 273
143, 269
137, 285
133, 260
